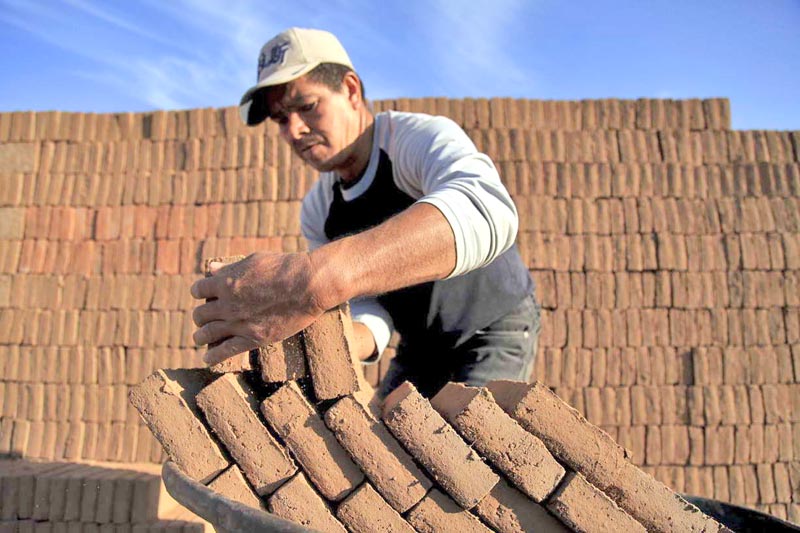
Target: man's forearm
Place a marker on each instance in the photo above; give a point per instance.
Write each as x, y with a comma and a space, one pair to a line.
410, 248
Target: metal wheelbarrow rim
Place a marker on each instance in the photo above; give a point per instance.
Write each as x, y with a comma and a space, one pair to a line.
221, 512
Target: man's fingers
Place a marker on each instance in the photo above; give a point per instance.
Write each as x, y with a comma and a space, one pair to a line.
228, 348
205, 288
212, 332
208, 312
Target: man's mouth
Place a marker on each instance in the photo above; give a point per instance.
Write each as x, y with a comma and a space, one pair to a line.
303, 148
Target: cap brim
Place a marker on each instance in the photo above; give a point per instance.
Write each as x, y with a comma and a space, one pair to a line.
252, 109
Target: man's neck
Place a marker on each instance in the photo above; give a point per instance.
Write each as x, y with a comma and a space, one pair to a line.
353, 168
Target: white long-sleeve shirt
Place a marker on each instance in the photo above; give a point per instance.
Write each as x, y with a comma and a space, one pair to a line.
432, 160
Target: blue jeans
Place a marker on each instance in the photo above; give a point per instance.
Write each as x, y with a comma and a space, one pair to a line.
505, 349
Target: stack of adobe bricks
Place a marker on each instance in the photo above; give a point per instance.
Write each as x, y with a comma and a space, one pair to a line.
75, 497
664, 244
289, 429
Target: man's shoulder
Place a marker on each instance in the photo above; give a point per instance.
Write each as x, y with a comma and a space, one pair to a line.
408, 120
398, 129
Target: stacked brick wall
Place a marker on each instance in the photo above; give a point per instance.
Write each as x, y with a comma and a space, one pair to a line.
665, 246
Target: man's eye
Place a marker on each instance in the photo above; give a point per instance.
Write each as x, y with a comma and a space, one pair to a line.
308, 107
280, 119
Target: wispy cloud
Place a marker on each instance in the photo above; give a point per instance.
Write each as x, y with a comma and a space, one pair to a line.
474, 47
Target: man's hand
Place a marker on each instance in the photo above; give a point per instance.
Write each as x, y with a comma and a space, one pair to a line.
261, 299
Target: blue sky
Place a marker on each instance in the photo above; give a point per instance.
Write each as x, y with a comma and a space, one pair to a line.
138, 55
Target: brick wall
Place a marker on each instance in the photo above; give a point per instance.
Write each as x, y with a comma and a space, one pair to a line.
665, 246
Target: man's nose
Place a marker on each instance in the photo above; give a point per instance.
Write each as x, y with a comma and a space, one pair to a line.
295, 127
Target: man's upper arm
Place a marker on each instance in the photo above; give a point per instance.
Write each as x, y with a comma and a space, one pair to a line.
437, 159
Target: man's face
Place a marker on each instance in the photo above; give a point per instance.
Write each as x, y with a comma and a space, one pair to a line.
319, 124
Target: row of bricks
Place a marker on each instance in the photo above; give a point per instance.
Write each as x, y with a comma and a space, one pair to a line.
662, 327
560, 328
206, 168
697, 446
73, 492
482, 112
109, 441
729, 365
252, 219
702, 406
72, 403
617, 216
539, 251
163, 526
134, 329
525, 145
574, 216
153, 189
176, 256
657, 180
90, 365
503, 146
558, 180
752, 289
637, 146
749, 485
656, 251
713, 114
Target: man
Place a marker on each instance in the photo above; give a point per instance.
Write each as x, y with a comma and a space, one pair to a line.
408, 222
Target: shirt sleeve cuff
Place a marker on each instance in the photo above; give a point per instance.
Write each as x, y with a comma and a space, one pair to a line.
372, 314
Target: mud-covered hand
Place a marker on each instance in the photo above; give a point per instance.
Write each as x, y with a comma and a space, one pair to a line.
261, 299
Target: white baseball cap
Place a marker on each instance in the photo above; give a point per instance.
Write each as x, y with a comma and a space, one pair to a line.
286, 57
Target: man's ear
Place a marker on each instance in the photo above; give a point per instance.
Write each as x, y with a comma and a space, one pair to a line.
351, 84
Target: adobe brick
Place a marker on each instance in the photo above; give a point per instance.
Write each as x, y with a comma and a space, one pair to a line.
522, 457
508, 510
365, 511
582, 506
437, 512
165, 401
328, 351
325, 462
436, 445
282, 361
579, 444
297, 501
372, 447
232, 485
231, 410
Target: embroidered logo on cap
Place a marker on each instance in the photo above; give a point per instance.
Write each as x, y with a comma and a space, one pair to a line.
277, 55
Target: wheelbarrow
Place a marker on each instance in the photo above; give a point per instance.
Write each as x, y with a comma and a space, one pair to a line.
228, 516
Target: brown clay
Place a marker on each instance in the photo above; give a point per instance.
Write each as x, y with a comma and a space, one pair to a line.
323, 459
166, 402
230, 409
585, 508
435, 444
509, 511
388, 466
518, 454
232, 485
329, 357
437, 513
297, 501
365, 511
